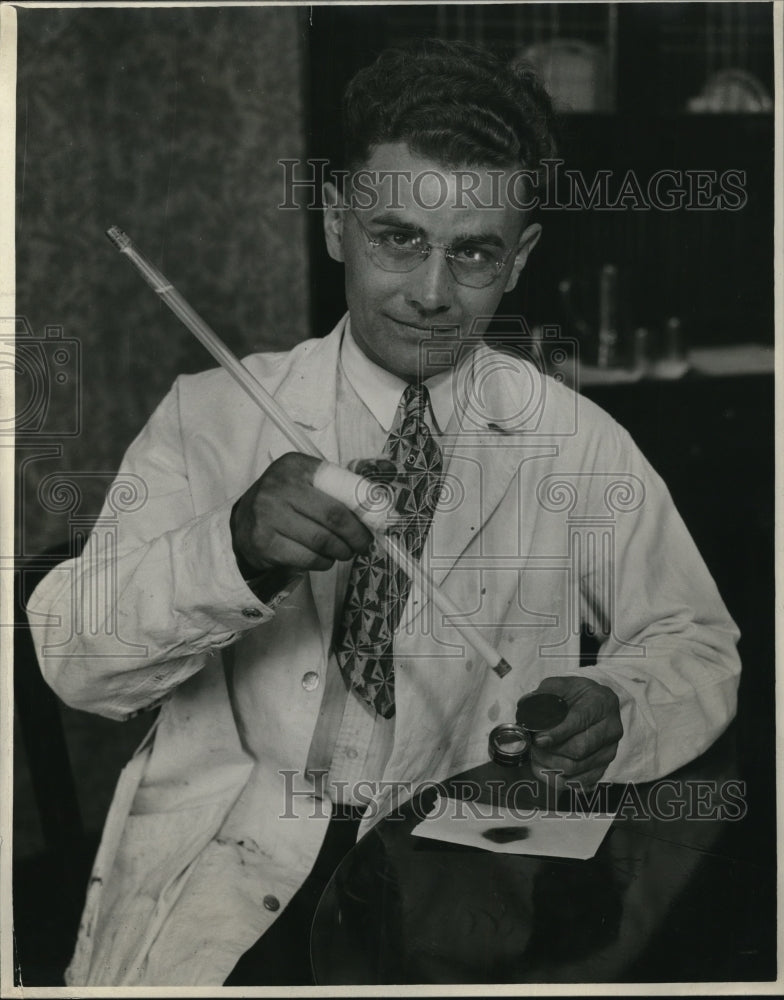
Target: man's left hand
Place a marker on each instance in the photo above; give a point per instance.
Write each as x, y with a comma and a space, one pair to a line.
584, 744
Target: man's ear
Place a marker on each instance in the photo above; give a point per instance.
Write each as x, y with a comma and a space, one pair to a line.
526, 243
334, 213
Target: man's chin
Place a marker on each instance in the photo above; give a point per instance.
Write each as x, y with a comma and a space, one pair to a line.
421, 372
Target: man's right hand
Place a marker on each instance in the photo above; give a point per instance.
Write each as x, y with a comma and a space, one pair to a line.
282, 520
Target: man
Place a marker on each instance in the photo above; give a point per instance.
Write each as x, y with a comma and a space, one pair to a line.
299, 675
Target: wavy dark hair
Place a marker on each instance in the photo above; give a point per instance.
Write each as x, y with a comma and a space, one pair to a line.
455, 103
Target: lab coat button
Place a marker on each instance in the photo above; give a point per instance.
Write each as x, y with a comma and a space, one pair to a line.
310, 681
251, 613
271, 903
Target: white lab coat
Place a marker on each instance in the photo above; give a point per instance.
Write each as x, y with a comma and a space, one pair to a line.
196, 861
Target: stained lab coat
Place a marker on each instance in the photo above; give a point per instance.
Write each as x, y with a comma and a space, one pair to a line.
550, 516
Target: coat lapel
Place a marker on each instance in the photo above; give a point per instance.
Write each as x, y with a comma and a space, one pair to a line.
479, 473
307, 394
491, 436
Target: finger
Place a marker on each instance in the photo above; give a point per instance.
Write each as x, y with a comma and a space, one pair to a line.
315, 536
593, 705
381, 470
590, 779
551, 765
284, 551
584, 742
291, 535
600, 758
579, 719
334, 517
289, 511
293, 468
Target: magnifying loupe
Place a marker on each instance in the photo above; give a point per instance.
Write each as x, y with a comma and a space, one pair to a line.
509, 742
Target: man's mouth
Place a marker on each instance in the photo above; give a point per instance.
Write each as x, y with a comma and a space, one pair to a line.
413, 326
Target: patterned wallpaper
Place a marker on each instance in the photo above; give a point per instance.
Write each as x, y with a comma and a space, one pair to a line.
169, 124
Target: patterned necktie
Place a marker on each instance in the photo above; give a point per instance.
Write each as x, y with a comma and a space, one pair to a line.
377, 590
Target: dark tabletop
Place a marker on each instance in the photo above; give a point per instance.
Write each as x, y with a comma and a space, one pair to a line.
682, 888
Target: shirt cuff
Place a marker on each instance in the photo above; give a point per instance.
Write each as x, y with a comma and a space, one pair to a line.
209, 588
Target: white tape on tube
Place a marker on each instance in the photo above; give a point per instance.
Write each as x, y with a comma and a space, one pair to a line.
370, 501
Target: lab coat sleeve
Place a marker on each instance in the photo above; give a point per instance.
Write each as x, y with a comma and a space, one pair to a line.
155, 592
669, 644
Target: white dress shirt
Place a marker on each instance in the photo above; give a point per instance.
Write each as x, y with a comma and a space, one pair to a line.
352, 742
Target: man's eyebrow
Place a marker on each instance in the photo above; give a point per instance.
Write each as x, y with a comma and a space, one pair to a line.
388, 219
491, 238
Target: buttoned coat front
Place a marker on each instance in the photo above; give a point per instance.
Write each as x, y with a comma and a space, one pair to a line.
550, 516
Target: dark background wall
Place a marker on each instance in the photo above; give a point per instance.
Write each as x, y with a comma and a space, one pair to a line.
168, 123
711, 268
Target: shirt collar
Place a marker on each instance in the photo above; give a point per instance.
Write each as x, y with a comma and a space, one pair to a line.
380, 390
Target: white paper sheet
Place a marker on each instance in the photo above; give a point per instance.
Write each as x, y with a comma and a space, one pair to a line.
540, 832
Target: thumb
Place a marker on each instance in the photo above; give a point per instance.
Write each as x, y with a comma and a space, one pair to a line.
381, 470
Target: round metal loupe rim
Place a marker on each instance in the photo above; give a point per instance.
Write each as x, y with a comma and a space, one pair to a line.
499, 740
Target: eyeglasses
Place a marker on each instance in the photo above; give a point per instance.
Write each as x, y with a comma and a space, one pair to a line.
472, 264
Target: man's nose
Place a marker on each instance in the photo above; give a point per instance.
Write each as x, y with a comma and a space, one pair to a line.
431, 285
